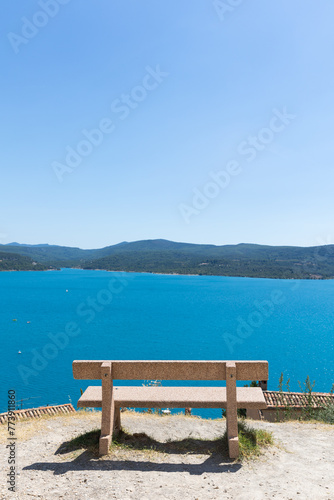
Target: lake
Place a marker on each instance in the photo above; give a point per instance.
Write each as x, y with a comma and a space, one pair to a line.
55, 317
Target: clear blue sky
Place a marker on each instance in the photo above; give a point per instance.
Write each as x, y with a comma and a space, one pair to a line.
186, 93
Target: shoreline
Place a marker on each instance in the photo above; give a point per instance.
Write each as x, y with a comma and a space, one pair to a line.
166, 274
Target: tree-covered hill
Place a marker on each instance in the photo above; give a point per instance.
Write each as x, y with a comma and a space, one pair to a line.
15, 262
163, 256
241, 260
56, 255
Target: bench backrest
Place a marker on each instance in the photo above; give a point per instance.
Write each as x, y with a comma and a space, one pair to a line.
171, 370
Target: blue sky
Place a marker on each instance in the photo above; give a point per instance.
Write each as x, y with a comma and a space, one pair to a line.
216, 122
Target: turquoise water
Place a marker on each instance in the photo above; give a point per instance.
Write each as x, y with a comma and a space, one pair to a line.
74, 314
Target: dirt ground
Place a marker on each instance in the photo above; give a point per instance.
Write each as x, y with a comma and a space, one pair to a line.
299, 466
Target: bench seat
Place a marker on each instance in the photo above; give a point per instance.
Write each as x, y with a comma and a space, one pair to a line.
173, 397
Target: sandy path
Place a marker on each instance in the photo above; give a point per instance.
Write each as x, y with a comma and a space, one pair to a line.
302, 467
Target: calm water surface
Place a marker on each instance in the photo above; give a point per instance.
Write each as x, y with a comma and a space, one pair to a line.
74, 314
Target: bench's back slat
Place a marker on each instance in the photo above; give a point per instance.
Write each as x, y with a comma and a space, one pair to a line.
171, 370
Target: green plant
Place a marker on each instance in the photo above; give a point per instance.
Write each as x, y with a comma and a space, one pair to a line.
286, 412
327, 414
307, 387
251, 440
280, 389
280, 383
310, 410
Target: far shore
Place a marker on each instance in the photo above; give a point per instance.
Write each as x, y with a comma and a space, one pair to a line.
167, 274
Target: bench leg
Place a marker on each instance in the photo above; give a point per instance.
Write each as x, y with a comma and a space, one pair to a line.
108, 409
231, 410
104, 445
232, 435
107, 425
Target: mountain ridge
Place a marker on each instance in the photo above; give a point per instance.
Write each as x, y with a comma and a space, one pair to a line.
165, 256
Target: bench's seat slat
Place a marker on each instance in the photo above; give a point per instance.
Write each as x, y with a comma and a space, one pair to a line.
173, 397
171, 370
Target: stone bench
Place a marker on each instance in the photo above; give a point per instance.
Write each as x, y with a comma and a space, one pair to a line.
111, 398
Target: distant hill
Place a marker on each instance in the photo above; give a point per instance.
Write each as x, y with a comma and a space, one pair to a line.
163, 256
10, 261
58, 255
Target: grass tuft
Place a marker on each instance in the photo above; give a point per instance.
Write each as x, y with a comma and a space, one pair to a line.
251, 441
327, 414
88, 441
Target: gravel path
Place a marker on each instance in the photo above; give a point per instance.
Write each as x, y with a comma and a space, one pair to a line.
300, 467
